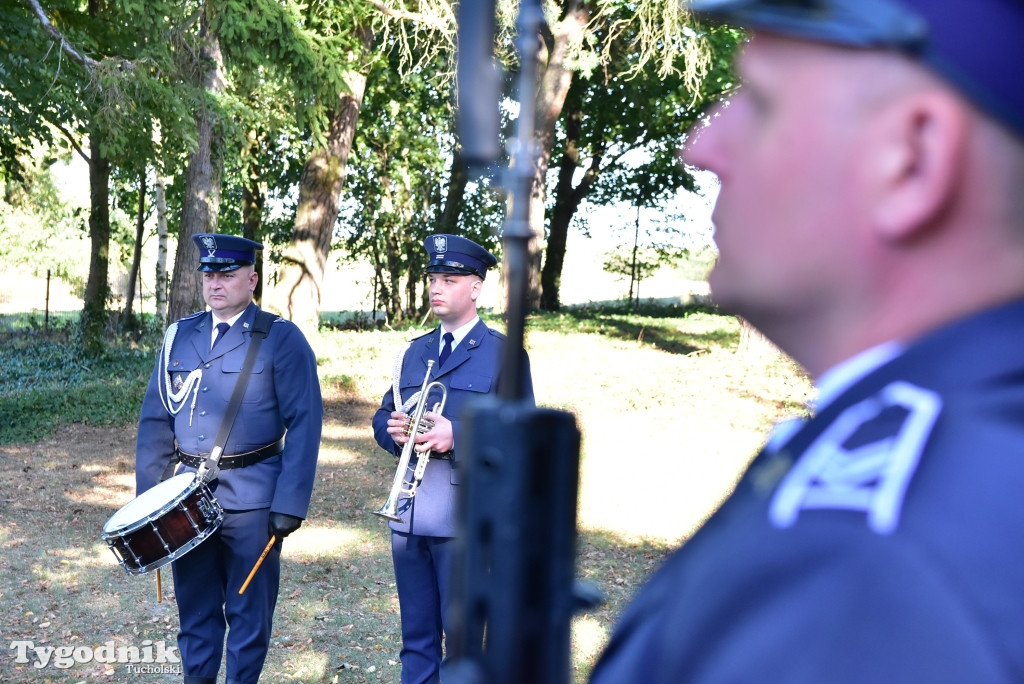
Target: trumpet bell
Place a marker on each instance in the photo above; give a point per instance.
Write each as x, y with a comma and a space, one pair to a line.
389, 511
390, 508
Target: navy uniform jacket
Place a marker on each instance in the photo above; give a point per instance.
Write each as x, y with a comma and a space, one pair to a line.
882, 543
283, 394
471, 371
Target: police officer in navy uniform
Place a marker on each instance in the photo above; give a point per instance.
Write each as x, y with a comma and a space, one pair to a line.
467, 361
870, 223
268, 466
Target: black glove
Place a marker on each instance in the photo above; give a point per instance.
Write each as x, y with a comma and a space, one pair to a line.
282, 524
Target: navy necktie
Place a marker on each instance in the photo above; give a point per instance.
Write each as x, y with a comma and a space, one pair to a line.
222, 329
446, 350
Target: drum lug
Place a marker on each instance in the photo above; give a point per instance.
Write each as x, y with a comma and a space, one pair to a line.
209, 512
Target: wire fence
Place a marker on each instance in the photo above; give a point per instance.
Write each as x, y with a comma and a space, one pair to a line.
43, 304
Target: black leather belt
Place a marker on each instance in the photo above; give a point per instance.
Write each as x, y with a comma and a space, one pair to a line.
237, 460
446, 456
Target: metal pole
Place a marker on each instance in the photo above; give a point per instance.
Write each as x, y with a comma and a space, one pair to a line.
514, 592
517, 233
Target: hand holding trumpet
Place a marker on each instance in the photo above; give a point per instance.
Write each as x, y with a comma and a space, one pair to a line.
413, 433
435, 432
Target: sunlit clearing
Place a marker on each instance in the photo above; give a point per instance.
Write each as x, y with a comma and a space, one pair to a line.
314, 542
588, 638
111, 492
307, 666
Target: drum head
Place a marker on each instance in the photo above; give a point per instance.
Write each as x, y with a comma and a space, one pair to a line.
150, 501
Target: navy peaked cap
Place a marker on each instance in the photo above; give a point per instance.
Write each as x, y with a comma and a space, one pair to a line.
456, 254
221, 252
976, 45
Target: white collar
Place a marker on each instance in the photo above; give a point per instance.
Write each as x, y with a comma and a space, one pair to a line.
836, 379
230, 321
831, 384
459, 333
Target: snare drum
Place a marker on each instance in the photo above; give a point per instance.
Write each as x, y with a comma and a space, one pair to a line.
163, 524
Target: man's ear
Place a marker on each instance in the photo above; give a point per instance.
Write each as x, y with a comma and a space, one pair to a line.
921, 153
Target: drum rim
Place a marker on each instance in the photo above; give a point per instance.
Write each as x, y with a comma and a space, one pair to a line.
193, 485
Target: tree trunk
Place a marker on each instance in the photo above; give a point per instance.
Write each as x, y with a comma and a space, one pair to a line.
556, 77
202, 185
94, 311
297, 293
160, 279
392, 258
634, 274
753, 344
298, 289
254, 197
567, 200
456, 192
133, 272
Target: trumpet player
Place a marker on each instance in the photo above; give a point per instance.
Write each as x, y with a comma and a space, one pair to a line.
466, 356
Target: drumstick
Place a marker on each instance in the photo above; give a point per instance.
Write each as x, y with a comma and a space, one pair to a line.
159, 591
259, 562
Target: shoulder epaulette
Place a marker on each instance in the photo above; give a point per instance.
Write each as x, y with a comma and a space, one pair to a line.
264, 319
411, 339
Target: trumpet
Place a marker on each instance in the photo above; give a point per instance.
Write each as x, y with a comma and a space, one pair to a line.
417, 425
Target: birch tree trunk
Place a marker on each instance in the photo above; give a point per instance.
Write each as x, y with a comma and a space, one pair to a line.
160, 278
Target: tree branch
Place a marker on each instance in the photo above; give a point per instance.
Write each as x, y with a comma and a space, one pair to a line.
71, 139
403, 15
87, 62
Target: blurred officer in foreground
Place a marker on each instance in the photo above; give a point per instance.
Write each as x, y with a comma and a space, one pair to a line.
467, 361
266, 478
871, 224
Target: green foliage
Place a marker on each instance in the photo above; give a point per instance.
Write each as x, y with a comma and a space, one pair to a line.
655, 246
42, 228
398, 179
343, 384
635, 265
634, 123
309, 49
48, 383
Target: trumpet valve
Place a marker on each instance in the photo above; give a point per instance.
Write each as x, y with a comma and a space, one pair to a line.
425, 426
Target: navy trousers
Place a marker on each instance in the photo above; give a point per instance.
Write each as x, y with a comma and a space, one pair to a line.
423, 567
206, 584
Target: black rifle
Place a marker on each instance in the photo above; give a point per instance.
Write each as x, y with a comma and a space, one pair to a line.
514, 588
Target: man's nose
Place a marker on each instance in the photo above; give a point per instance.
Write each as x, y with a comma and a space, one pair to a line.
703, 145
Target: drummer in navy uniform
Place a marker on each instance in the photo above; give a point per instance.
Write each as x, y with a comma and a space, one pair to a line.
870, 222
467, 356
268, 466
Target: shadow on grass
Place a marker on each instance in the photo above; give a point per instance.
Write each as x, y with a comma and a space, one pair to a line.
675, 329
